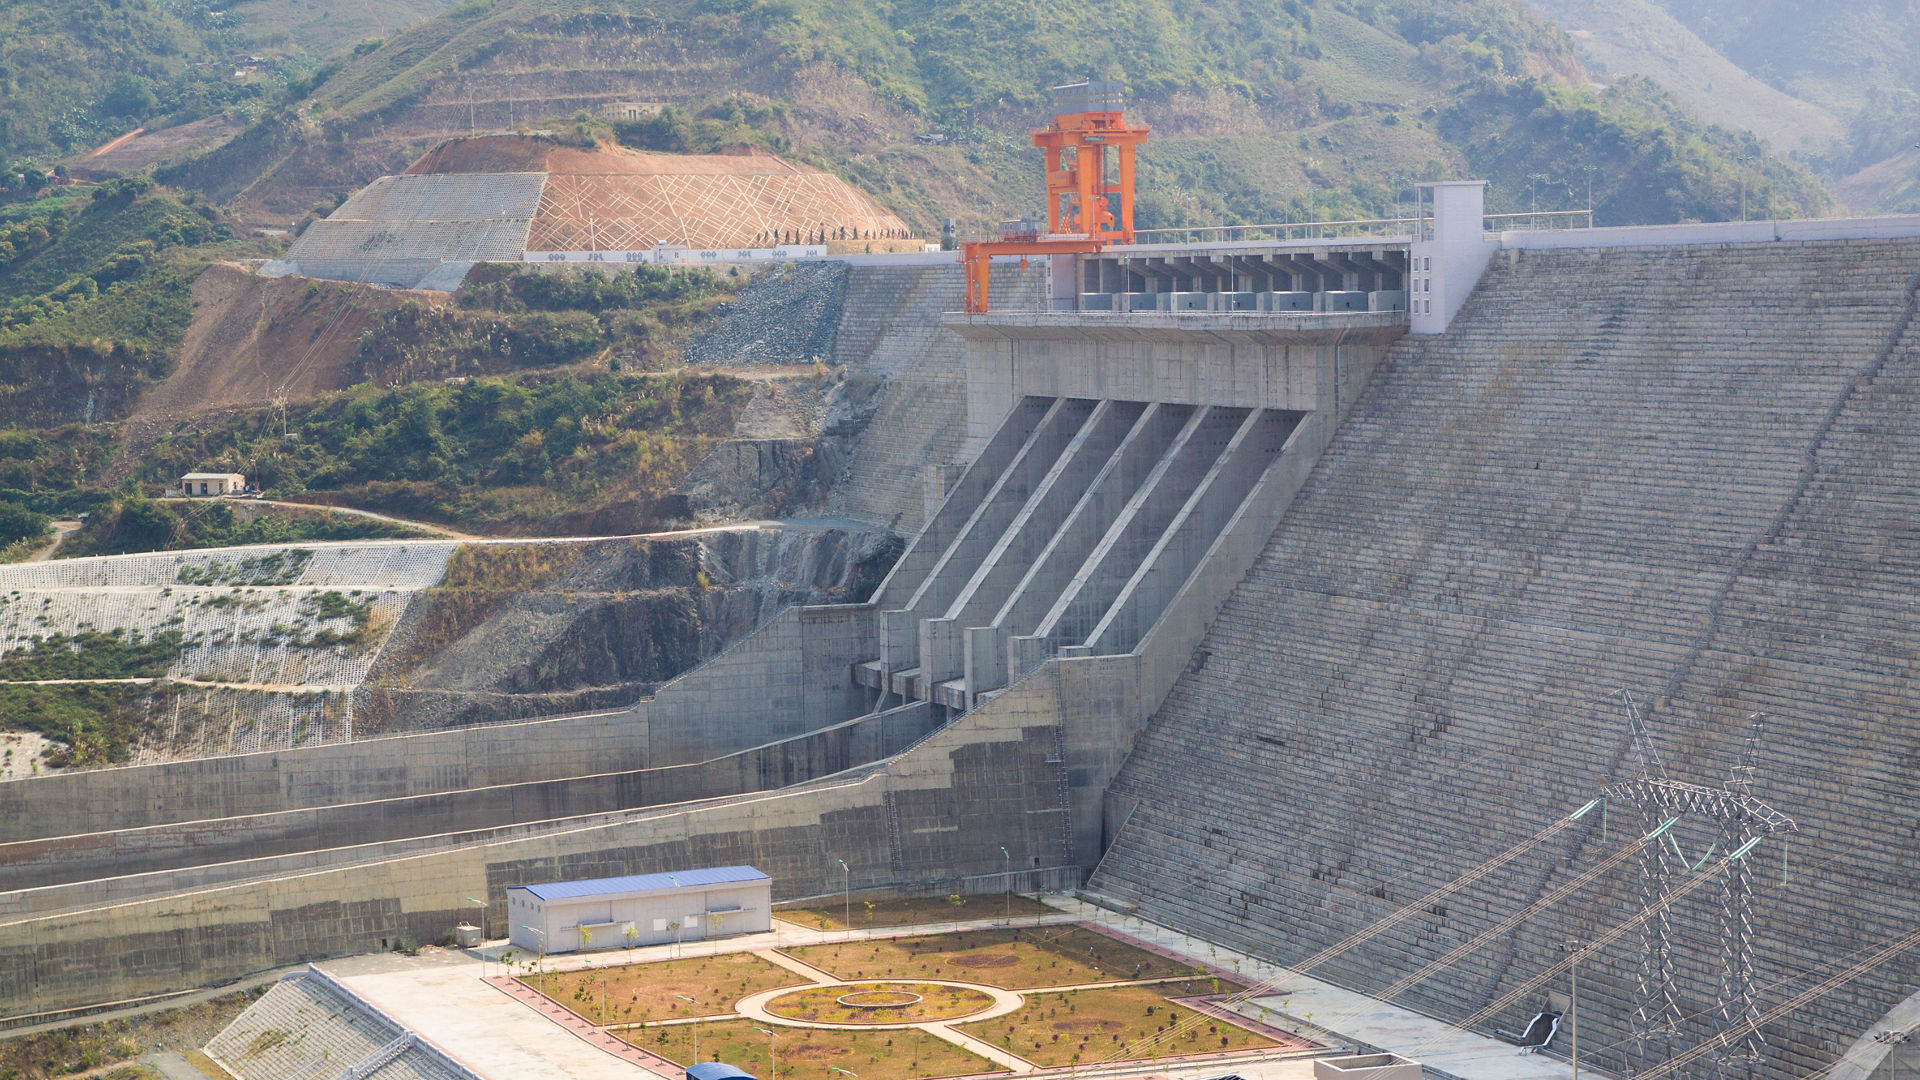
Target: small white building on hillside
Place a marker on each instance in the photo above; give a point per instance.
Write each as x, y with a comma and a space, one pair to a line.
213, 483
641, 909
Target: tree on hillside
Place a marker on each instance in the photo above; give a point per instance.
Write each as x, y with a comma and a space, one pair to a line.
131, 96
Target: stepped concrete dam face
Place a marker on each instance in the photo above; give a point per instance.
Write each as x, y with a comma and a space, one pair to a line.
1559, 611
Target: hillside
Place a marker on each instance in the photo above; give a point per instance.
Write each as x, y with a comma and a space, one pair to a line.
1833, 85
76, 73
1844, 55
135, 346
1639, 37
1261, 112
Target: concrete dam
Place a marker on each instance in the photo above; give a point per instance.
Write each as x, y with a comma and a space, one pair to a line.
1262, 621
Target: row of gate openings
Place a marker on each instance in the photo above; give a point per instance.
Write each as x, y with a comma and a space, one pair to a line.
1305, 302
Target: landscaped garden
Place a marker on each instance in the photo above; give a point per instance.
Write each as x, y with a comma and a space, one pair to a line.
616, 993
1014, 959
813, 1053
1130, 1022
924, 979
880, 1003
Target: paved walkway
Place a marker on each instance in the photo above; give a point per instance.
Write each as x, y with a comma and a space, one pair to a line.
442, 997
1341, 1013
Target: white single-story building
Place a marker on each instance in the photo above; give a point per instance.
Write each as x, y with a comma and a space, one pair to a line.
213, 483
641, 909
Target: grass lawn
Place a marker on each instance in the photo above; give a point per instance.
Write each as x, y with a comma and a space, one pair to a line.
637, 993
810, 1054
1089, 1026
1016, 959
821, 1004
913, 911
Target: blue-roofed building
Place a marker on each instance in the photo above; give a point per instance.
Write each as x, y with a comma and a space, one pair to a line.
715, 1070
640, 909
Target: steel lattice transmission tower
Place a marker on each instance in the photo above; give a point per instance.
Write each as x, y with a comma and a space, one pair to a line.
1737, 821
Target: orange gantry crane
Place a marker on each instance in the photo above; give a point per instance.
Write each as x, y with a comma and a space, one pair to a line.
1085, 210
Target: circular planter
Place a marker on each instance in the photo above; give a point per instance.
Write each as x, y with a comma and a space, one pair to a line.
879, 999
866, 1003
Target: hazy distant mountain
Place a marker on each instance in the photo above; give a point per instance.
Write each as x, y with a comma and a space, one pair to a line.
74, 73
1837, 85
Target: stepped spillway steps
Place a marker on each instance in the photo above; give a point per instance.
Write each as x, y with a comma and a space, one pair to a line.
1541, 506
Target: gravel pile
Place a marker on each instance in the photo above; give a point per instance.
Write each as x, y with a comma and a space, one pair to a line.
785, 315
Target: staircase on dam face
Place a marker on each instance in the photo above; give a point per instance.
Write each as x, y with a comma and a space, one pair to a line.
890, 327
1069, 536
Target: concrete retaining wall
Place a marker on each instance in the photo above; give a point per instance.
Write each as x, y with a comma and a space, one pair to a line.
154, 861
940, 811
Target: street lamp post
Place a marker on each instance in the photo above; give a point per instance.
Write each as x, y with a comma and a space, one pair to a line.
1573, 1004
543, 944
676, 925
482, 949
696, 1026
846, 894
1009, 872
773, 1051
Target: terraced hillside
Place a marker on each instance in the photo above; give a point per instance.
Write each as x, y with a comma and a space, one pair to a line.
232, 649
1683, 472
1261, 113
143, 658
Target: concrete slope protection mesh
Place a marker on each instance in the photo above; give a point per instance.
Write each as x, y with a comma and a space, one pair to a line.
1521, 516
245, 649
399, 229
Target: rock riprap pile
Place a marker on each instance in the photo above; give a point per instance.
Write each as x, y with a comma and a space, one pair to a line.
785, 315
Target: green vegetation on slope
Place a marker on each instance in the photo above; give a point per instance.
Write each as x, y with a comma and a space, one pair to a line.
94, 301
93, 654
489, 453
75, 73
95, 298
135, 523
1262, 111
1676, 168
95, 723
79, 71
80, 1048
512, 319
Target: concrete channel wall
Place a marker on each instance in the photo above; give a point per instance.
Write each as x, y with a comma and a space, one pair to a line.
936, 813
118, 866
784, 679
